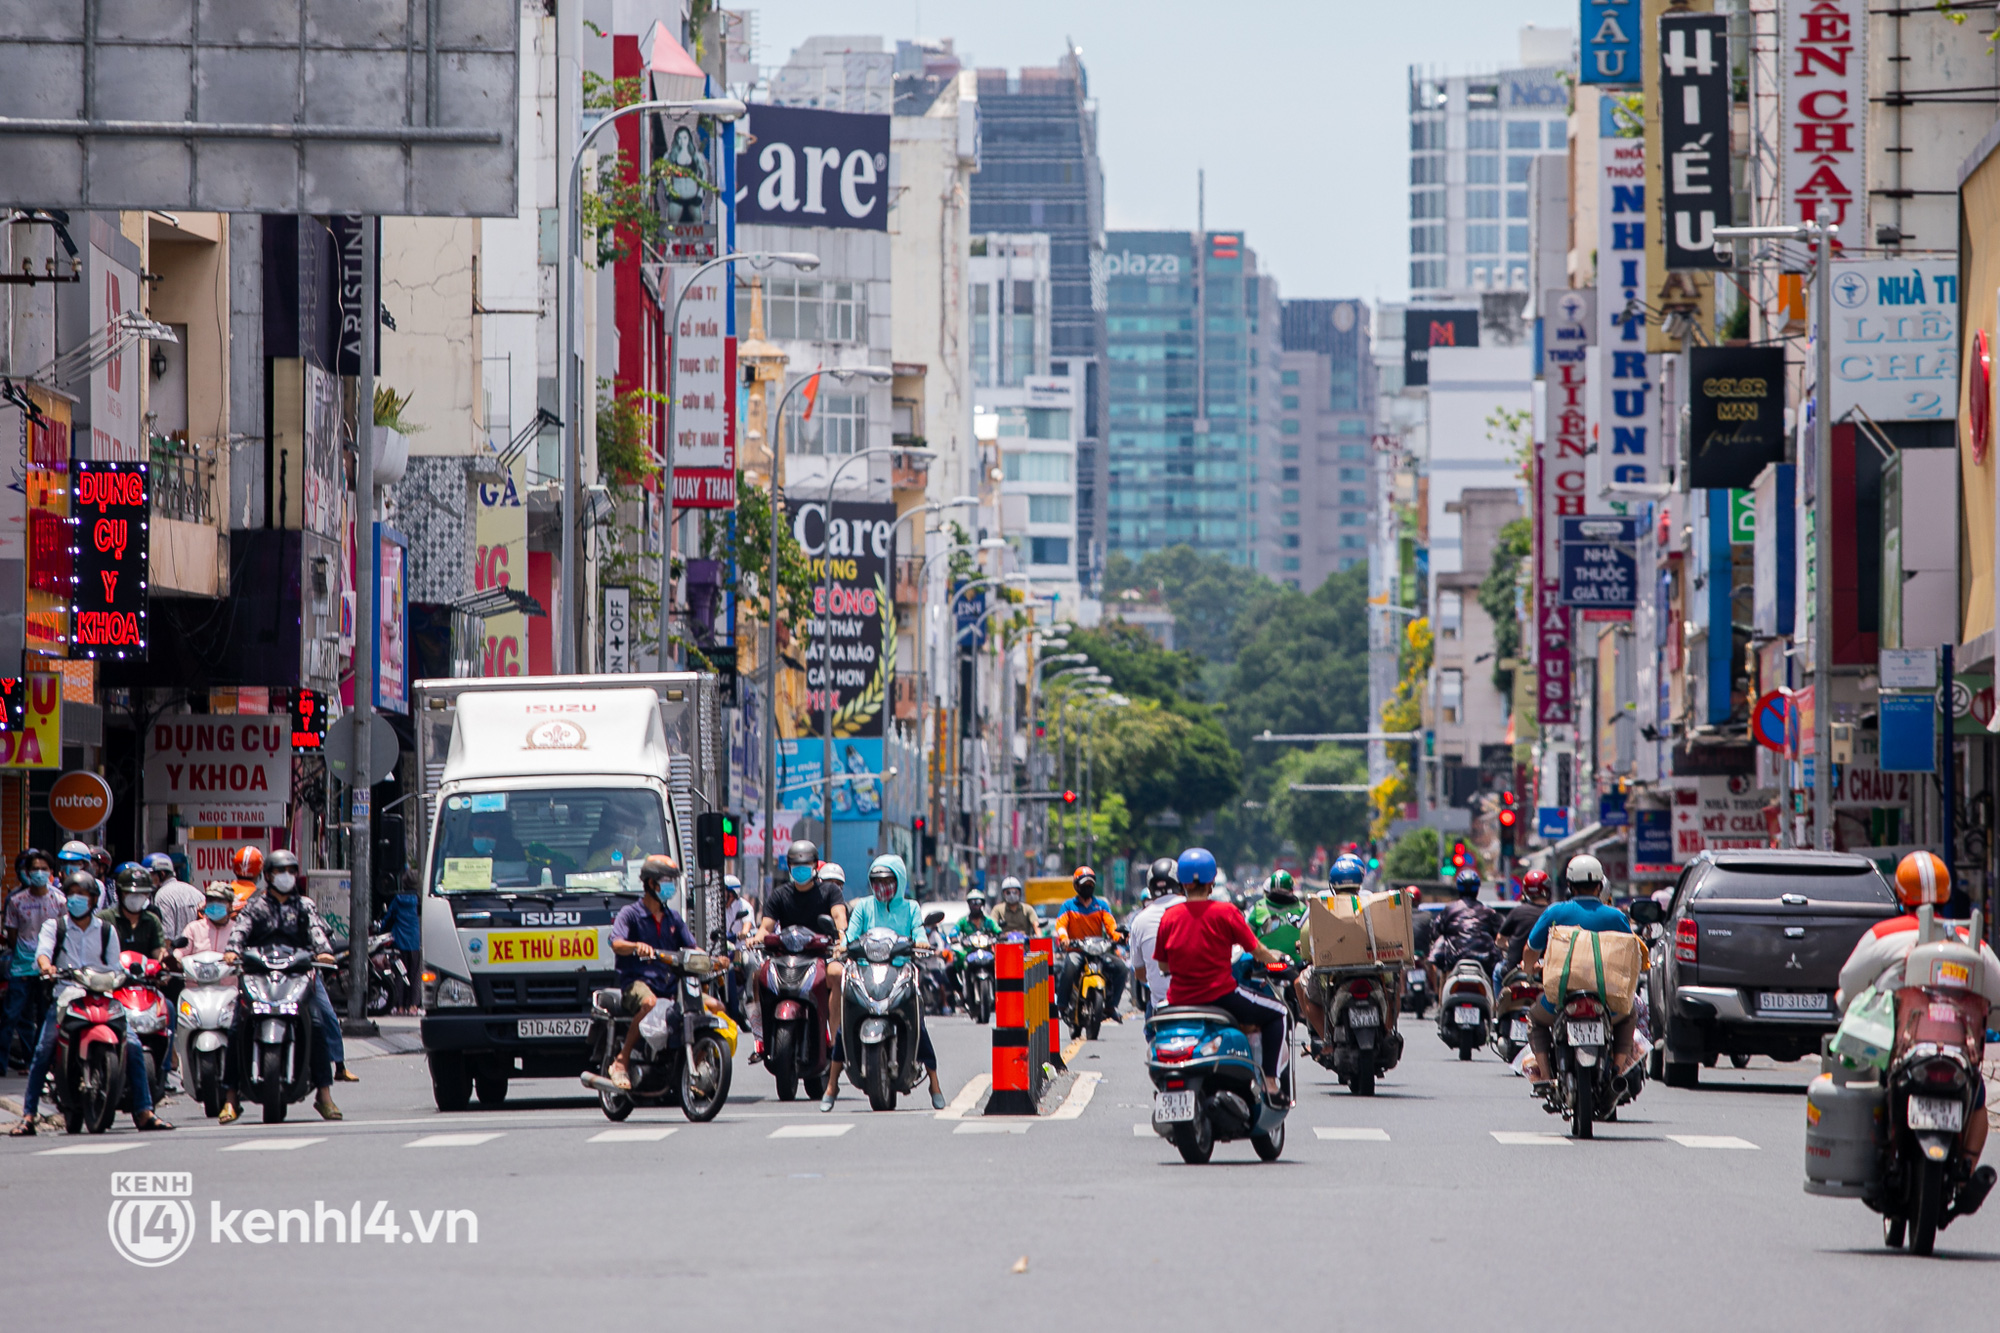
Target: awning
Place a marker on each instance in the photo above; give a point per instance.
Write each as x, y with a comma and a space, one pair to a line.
1539, 859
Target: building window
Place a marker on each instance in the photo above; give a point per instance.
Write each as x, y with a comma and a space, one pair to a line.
1288, 428
1284, 377
982, 334
1517, 238
1427, 169
1347, 563
1048, 509
1289, 540
1352, 426
1482, 169
1517, 170
1350, 542
1034, 423
1426, 135
839, 424
1289, 519
1427, 239
809, 311
1517, 203
1482, 238
1022, 349
1426, 204
1353, 497
1558, 134
1482, 203
1288, 451
1290, 474
1290, 402
1451, 696
1354, 474
1524, 134
1451, 612
1290, 495
1427, 273
1350, 519
1352, 451
1289, 562
1035, 467
1482, 132
1048, 550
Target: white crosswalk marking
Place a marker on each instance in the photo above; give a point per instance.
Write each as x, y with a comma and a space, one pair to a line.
88, 1149
1519, 1139
271, 1145
992, 1127
648, 1134
1142, 1131
1347, 1134
809, 1131
968, 1097
451, 1140
1725, 1141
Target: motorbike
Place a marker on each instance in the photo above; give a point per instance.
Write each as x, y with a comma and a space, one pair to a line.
202, 1040
798, 1044
275, 1047
1208, 1082
977, 979
143, 994
1465, 1010
882, 1016
1517, 992
1359, 1045
88, 1065
936, 974
385, 973
1087, 1001
1417, 997
683, 1055
1584, 1086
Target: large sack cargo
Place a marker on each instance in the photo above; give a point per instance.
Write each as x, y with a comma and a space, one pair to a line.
1607, 964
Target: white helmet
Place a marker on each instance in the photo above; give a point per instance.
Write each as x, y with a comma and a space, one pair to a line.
1585, 874
831, 873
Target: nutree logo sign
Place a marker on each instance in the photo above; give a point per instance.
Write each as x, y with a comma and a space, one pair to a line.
152, 1216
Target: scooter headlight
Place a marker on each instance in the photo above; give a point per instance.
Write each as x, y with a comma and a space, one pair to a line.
879, 946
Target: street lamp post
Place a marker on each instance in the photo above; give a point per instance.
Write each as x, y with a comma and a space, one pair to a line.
569, 390
922, 643
771, 632
756, 259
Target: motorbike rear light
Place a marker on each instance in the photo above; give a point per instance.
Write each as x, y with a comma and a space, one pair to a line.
1524, 991
1176, 1084
1583, 1007
1686, 942
1362, 990
1940, 1071
1174, 1052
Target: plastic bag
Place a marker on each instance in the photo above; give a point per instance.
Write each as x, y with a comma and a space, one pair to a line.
1867, 1030
661, 1025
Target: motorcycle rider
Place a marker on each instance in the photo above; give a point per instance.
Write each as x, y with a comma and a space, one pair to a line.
79, 939
1346, 874
280, 914
209, 931
1515, 926
1466, 929
248, 866
1196, 936
1921, 878
23, 917
177, 901
974, 922
1016, 913
888, 906
1083, 916
1279, 918
803, 903
641, 931
1585, 909
1143, 930
139, 927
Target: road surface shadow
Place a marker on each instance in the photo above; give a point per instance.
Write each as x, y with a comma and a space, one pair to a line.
1780, 1089
1884, 1252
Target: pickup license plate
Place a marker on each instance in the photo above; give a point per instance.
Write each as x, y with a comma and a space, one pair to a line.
1937, 1113
1363, 1017
1586, 1034
527, 1029
1791, 1002
1466, 1013
1171, 1107
1519, 1031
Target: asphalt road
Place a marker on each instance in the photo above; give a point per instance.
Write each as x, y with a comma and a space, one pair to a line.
1432, 1202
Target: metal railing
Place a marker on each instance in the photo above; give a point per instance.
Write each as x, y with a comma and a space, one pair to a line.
183, 478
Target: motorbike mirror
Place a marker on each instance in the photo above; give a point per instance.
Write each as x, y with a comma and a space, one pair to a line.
178, 942
1645, 912
825, 924
933, 918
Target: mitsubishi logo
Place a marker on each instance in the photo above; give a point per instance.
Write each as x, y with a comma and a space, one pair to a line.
1795, 963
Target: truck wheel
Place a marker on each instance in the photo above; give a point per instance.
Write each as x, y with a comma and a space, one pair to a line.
1739, 1061
492, 1089
451, 1081
1680, 1074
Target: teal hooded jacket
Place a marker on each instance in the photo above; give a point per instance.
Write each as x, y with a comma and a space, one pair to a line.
900, 914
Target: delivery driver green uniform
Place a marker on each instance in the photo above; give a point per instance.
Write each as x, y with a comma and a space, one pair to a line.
1279, 920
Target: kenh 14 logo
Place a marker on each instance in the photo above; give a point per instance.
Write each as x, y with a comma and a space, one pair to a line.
152, 1215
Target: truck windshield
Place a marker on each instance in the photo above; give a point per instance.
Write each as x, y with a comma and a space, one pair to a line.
577, 838
1753, 881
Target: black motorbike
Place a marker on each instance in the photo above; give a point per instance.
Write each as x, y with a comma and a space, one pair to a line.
682, 1057
978, 975
1359, 1045
386, 974
882, 1018
275, 1027
792, 979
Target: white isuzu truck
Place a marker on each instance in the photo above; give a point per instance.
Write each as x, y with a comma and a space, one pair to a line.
543, 794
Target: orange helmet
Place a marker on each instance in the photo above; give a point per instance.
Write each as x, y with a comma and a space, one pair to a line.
248, 863
1921, 878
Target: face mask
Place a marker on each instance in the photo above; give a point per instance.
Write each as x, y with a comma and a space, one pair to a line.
665, 889
802, 874
134, 902
883, 889
216, 912
79, 906
1011, 896
483, 846
37, 879
283, 882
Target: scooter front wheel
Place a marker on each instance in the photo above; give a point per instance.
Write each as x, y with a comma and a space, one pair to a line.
102, 1089
705, 1078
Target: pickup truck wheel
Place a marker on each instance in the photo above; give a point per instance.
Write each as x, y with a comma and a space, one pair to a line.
1680, 1074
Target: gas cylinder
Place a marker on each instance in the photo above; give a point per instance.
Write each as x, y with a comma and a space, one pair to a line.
1844, 1127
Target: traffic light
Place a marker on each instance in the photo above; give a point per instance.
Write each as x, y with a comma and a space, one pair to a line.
926, 841
1509, 817
1069, 800
716, 838
308, 719
1460, 857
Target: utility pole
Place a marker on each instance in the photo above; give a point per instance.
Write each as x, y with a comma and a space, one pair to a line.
1821, 510
361, 773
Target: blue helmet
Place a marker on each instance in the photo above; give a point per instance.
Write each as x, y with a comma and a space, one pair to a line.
1196, 866
1346, 870
1467, 880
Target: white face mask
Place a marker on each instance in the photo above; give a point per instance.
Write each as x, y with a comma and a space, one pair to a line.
134, 902
283, 882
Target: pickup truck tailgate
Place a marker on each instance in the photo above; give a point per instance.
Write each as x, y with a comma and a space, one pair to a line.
1771, 946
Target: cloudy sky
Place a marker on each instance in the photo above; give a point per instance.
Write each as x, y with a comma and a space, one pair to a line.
1296, 108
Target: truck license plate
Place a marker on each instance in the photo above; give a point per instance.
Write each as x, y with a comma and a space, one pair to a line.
1791, 1002
1360, 1017
1169, 1107
1937, 1113
1465, 1013
526, 1029
1586, 1034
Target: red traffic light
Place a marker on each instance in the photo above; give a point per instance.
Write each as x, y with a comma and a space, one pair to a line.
917, 824
1507, 819
1506, 798
1069, 798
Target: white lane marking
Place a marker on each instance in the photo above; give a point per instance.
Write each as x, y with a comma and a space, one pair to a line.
271, 1145
1142, 1132
1529, 1139
968, 1097
636, 1135
992, 1127
809, 1131
88, 1149
451, 1140
1079, 1096
1347, 1134
1712, 1141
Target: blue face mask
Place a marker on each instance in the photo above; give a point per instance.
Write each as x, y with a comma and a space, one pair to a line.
36, 879
79, 906
483, 846
665, 889
802, 874
216, 912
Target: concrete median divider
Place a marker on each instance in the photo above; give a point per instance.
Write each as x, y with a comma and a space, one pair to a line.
1021, 1044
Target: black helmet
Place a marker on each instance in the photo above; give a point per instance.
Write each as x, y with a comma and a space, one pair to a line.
29, 854
134, 878
802, 853
1467, 880
1164, 876
282, 862
80, 881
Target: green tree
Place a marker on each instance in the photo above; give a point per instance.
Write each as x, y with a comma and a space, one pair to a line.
1415, 856
1499, 597
1304, 669
1322, 819
1206, 593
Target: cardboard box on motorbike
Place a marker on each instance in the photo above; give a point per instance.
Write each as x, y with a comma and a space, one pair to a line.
1362, 929
1607, 964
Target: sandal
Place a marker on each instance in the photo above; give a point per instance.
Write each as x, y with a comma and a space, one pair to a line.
228, 1113
153, 1124
620, 1075
25, 1129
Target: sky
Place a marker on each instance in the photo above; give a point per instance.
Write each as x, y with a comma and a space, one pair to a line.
1295, 108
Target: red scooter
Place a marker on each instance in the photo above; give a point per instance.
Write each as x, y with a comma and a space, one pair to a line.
144, 997
89, 1061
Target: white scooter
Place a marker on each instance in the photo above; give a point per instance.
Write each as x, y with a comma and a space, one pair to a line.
202, 1045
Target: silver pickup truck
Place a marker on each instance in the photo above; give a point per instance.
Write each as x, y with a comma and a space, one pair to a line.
1751, 955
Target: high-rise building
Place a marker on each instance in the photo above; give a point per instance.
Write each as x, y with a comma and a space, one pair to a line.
1039, 172
1192, 394
1322, 479
1473, 140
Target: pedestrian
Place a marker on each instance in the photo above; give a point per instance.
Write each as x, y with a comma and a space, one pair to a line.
20, 928
177, 901
403, 919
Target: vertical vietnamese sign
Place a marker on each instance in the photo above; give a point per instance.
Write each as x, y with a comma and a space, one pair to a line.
51, 566
1568, 329
1823, 55
851, 656
1610, 42
391, 628
111, 511
1694, 136
1627, 448
704, 355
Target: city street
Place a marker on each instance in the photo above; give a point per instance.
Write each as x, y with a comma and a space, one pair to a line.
1450, 1193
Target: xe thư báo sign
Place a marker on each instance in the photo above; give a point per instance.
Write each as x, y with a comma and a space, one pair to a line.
109, 506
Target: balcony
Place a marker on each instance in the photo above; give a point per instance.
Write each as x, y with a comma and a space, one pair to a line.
909, 580
186, 543
908, 472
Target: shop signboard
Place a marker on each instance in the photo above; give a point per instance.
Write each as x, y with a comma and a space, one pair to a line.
1736, 415
1694, 136
1611, 32
1600, 568
1895, 338
808, 168
112, 507
1822, 159
37, 742
51, 558
391, 637
218, 759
